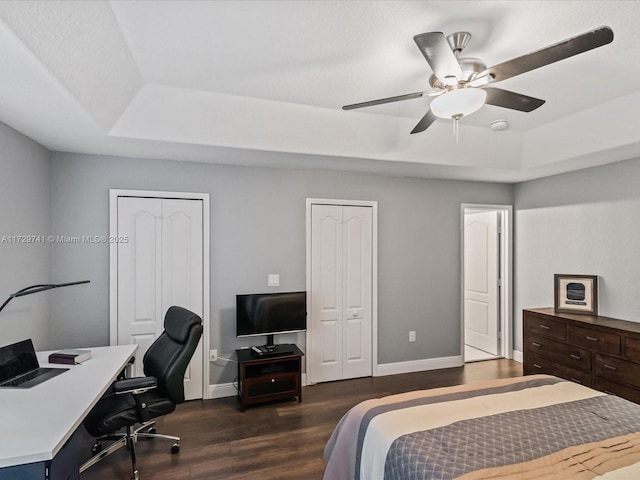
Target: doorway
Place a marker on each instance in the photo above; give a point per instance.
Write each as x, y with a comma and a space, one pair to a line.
341, 289
486, 282
161, 259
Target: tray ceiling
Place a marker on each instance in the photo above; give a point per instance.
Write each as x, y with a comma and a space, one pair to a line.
263, 82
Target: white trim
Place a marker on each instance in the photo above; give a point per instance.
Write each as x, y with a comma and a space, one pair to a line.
374, 268
206, 276
517, 356
419, 365
506, 273
113, 269
222, 390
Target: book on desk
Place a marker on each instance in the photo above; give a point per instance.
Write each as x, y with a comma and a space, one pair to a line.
70, 357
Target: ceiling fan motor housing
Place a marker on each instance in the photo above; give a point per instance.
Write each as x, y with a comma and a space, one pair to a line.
470, 68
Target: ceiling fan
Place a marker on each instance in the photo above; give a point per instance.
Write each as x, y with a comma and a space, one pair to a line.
460, 84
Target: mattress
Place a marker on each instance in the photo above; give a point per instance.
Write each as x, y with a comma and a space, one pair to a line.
533, 427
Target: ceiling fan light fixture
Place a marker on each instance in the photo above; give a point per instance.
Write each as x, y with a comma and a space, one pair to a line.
458, 103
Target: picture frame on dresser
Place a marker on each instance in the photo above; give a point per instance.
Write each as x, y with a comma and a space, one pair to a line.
576, 294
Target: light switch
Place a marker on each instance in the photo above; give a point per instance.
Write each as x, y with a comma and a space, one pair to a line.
273, 280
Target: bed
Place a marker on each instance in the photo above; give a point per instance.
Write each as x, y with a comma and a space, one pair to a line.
532, 427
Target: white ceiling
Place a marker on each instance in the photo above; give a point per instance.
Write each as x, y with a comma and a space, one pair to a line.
263, 82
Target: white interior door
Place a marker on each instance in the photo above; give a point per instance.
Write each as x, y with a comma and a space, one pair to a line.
326, 293
357, 254
182, 273
340, 293
139, 274
160, 265
481, 257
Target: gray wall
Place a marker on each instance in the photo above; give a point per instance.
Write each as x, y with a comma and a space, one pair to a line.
25, 196
584, 222
258, 227
580, 222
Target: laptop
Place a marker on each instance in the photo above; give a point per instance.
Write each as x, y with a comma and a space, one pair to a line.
19, 367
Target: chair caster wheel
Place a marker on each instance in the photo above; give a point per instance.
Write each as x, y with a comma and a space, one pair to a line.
96, 448
175, 448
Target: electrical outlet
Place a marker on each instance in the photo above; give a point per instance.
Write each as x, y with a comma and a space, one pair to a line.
412, 336
213, 355
273, 280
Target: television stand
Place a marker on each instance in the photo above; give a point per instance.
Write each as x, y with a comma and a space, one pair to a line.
273, 376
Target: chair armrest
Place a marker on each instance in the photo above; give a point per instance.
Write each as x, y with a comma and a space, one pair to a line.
136, 385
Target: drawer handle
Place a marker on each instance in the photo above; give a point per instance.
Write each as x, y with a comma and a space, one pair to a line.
592, 339
544, 327
610, 367
536, 344
575, 357
576, 381
537, 366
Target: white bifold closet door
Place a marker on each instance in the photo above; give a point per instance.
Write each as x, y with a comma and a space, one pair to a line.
160, 266
341, 292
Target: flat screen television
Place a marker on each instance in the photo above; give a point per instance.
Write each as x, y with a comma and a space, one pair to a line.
270, 313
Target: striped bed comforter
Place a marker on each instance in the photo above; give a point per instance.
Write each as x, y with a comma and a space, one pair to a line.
534, 427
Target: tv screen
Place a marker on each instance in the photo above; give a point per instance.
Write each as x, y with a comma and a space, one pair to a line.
269, 313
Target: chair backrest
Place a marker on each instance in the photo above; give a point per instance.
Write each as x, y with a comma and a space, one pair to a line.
167, 358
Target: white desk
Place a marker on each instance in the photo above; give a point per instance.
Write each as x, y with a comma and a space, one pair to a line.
36, 422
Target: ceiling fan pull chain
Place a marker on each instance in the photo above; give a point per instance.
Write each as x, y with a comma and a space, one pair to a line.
456, 127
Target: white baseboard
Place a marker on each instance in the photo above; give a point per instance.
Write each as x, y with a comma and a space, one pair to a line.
517, 355
417, 365
221, 390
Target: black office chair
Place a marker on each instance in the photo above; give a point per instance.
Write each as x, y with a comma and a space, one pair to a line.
137, 400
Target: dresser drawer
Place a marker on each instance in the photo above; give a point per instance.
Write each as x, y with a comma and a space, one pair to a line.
597, 351
603, 342
559, 352
543, 325
617, 370
286, 383
536, 364
623, 391
632, 349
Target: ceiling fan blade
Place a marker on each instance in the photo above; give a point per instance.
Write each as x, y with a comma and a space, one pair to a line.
381, 101
424, 122
512, 100
481, 79
553, 53
437, 51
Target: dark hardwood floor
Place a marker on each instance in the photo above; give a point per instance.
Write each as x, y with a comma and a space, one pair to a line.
282, 440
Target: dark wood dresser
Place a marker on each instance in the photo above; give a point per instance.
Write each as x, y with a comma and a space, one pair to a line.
599, 352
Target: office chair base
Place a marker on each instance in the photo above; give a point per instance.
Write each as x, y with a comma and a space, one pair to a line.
147, 430
129, 439
117, 445
125, 440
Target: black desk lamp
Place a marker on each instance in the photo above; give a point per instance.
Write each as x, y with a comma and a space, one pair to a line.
39, 288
